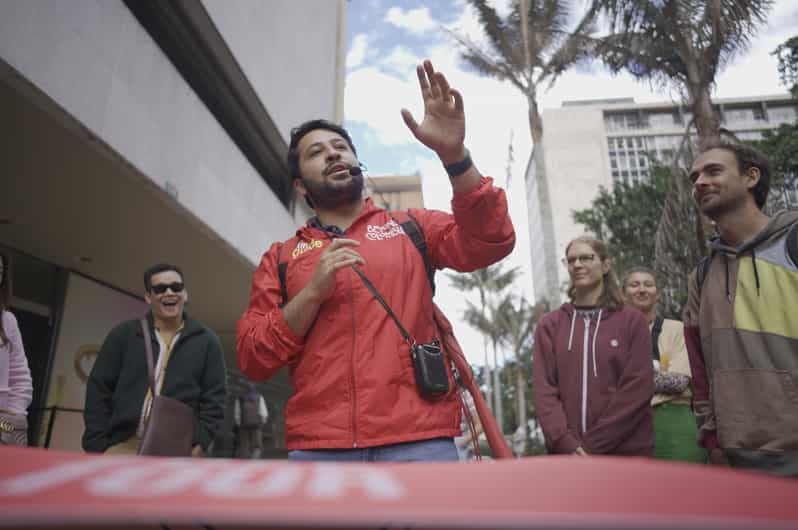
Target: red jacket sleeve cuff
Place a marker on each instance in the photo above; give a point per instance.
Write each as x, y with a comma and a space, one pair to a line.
568, 444
464, 198
286, 333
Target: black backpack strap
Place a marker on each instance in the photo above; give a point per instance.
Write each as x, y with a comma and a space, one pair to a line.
412, 229
282, 269
792, 244
701, 271
656, 329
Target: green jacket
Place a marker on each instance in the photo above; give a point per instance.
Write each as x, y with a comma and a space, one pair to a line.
118, 382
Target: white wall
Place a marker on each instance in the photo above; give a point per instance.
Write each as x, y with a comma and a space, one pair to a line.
90, 311
288, 51
576, 165
95, 60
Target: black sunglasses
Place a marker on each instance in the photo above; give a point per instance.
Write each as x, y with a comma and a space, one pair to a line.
161, 288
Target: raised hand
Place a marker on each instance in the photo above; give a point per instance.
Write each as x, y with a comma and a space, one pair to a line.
443, 126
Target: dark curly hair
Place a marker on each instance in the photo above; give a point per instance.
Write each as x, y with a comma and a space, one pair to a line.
298, 132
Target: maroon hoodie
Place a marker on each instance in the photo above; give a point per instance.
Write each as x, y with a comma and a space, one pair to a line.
593, 384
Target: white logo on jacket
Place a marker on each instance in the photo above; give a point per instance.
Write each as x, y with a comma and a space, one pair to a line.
386, 231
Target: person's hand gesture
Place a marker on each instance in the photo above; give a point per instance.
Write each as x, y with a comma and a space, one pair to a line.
443, 126
337, 256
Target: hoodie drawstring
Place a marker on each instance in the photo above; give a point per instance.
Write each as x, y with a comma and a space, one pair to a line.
756, 273
728, 291
571, 334
595, 334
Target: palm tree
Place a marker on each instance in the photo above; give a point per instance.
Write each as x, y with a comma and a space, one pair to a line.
491, 325
518, 322
530, 47
488, 283
680, 44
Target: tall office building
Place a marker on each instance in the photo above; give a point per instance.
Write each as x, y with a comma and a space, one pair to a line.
138, 132
589, 144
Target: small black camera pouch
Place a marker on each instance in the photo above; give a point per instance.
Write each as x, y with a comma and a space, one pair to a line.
429, 366
429, 363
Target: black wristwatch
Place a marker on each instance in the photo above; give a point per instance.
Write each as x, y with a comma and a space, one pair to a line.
458, 168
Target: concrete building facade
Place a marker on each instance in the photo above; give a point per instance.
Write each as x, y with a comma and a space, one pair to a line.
589, 144
143, 132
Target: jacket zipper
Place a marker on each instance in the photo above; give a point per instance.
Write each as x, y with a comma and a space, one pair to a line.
352, 361
584, 372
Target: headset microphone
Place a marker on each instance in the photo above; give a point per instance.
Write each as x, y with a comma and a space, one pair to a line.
355, 171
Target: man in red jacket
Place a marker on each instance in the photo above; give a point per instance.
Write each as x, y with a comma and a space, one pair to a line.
355, 393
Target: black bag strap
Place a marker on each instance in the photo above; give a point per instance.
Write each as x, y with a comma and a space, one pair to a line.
792, 244
655, 333
282, 269
412, 229
145, 330
381, 300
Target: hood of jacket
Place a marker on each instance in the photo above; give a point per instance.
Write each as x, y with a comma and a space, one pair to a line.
778, 225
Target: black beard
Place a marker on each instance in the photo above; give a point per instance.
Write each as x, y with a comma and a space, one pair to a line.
328, 196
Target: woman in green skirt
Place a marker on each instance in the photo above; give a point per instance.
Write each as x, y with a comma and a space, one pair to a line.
674, 425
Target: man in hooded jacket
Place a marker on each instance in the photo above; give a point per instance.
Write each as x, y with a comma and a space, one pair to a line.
741, 324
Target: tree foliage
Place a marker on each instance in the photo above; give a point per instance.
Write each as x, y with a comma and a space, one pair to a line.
787, 55
682, 45
489, 283
781, 148
626, 218
532, 45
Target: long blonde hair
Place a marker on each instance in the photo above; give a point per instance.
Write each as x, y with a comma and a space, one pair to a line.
611, 297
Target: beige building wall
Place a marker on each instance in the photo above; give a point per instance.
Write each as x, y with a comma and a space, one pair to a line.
396, 192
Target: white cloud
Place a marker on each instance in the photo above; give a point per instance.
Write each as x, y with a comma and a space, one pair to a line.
400, 60
416, 21
357, 53
375, 98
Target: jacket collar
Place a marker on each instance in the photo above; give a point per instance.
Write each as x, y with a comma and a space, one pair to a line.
314, 229
190, 325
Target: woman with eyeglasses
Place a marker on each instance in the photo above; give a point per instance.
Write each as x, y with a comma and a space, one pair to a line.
593, 375
16, 389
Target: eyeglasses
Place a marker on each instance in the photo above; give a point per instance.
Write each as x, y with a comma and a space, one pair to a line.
176, 287
570, 261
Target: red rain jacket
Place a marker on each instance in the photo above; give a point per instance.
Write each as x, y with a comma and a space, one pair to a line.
352, 373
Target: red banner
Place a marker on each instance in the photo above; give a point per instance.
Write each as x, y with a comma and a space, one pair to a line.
49, 489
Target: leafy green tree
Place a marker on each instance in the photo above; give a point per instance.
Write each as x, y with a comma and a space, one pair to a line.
681, 45
787, 55
781, 147
626, 218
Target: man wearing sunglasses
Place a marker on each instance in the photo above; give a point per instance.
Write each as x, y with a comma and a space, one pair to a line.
188, 366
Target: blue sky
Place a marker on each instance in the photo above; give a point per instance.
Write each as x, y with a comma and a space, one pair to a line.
387, 38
